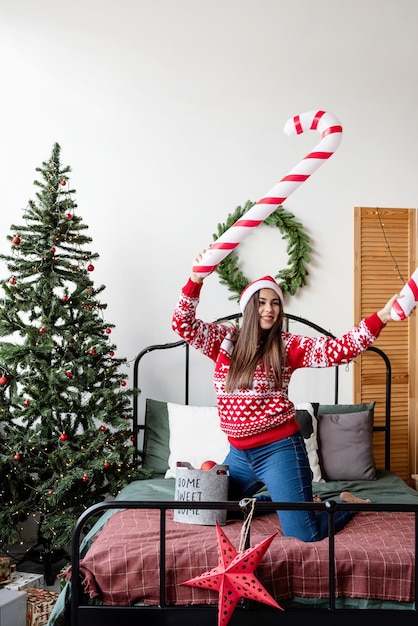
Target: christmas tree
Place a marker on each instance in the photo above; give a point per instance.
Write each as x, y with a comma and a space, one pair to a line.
65, 409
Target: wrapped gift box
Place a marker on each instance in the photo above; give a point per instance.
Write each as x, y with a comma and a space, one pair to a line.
5, 569
22, 580
12, 608
40, 603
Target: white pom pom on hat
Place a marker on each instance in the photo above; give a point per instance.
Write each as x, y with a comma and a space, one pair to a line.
266, 282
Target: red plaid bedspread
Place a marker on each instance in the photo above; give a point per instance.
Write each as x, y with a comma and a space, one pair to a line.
374, 559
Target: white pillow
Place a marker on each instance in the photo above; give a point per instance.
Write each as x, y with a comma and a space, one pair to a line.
195, 436
311, 443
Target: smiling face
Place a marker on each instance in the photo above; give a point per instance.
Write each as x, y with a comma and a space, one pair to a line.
268, 308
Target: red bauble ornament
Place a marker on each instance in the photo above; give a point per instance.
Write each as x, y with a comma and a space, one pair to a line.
64, 298
85, 478
17, 457
3, 381
112, 353
123, 383
16, 240
69, 374
42, 330
69, 216
53, 250
50, 492
63, 437
26, 402
92, 352
207, 465
103, 428
108, 331
234, 576
90, 267
12, 281
106, 464
63, 183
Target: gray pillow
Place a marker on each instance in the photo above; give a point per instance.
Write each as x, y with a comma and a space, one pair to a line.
345, 445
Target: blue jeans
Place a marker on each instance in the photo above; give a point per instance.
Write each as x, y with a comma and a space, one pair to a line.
282, 467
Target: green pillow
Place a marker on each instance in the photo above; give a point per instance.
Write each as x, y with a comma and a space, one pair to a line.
325, 409
156, 437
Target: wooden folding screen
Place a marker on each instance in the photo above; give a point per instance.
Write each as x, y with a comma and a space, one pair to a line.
385, 253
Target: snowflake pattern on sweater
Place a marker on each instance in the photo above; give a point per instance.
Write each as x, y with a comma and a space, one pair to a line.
263, 413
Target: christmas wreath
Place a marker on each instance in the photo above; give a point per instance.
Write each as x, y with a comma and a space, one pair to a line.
298, 249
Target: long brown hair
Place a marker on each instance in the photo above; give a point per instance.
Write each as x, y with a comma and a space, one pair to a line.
250, 347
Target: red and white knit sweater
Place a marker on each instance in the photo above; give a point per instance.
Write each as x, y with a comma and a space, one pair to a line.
263, 414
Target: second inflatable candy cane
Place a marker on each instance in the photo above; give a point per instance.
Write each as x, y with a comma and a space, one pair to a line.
403, 306
331, 134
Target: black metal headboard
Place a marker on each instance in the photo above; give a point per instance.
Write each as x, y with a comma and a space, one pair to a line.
137, 427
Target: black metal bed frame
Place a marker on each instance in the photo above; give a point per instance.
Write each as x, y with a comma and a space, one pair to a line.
247, 613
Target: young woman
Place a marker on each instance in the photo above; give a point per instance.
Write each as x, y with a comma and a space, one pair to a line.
253, 367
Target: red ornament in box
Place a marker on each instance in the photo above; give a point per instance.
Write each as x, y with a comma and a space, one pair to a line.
12, 281
207, 465
90, 267
63, 437
16, 240
3, 381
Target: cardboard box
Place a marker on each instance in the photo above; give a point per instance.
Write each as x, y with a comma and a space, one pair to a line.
22, 580
12, 608
40, 603
196, 485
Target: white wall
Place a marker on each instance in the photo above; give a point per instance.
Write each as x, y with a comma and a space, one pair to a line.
170, 114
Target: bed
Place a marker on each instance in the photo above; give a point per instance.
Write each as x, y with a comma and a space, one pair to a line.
132, 565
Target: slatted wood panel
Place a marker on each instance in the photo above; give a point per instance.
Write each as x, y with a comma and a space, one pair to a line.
382, 255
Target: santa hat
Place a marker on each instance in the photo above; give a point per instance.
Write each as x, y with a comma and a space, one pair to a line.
267, 282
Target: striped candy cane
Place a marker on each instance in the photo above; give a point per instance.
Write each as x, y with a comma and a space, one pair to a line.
403, 307
331, 134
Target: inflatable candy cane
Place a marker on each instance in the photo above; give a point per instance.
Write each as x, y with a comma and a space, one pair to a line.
404, 305
331, 134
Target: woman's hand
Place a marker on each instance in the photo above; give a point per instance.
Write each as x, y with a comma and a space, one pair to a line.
384, 314
193, 276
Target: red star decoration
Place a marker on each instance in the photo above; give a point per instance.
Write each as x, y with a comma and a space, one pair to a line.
234, 576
